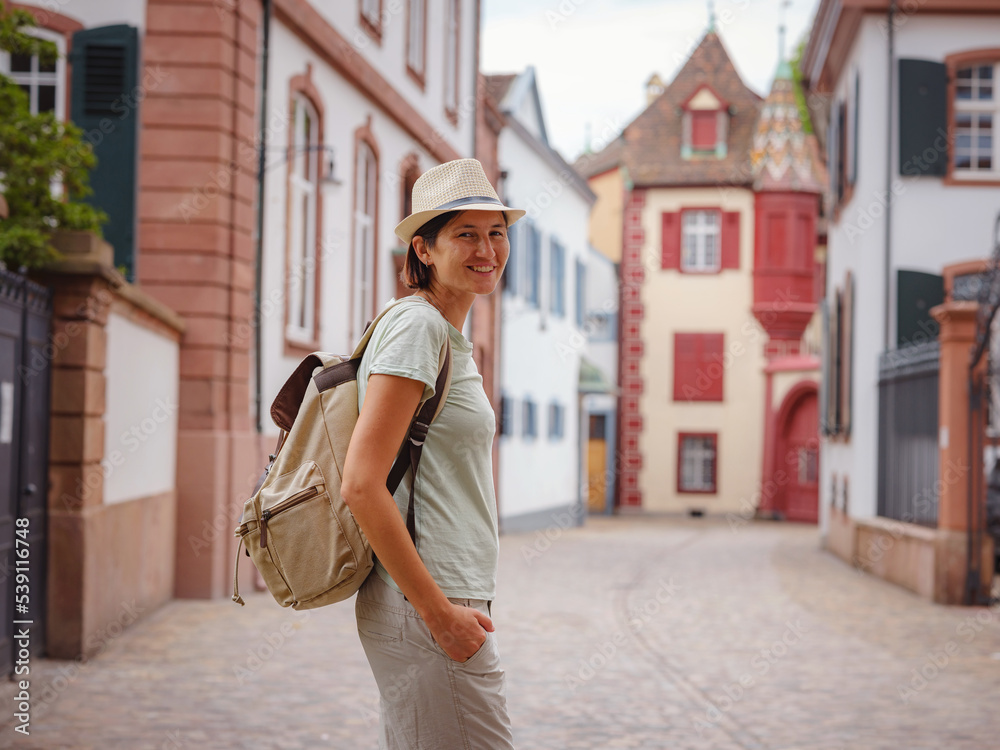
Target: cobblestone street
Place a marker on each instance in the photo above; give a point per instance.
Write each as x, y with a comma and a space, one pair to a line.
633, 632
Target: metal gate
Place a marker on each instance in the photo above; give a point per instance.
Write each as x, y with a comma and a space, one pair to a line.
982, 503
908, 434
25, 368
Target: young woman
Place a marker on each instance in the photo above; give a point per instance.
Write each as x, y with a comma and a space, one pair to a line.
424, 612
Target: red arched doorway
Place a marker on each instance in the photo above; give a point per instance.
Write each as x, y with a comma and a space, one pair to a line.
797, 499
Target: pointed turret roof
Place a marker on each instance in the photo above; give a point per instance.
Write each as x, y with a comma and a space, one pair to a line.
784, 156
650, 146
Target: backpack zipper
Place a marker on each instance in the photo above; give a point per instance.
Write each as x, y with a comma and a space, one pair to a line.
294, 500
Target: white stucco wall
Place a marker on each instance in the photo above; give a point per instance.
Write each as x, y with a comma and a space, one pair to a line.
345, 110
388, 57
710, 303
783, 382
541, 351
602, 305
140, 421
933, 225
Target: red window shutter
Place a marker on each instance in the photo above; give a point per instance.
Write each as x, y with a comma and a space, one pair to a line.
685, 365
698, 366
671, 254
730, 239
704, 130
712, 362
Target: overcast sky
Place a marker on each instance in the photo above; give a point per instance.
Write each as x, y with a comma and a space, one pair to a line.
593, 57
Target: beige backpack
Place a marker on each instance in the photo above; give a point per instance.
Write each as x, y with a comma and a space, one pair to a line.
296, 527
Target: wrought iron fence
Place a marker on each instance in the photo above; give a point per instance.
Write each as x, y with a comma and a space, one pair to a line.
25, 313
908, 434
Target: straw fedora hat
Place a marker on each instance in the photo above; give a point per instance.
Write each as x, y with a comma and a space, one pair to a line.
459, 185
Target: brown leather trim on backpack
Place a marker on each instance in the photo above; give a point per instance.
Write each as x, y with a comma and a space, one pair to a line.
331, 377
285, 407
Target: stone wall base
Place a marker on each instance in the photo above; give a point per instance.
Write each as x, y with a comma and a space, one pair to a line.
109, 566
928, 562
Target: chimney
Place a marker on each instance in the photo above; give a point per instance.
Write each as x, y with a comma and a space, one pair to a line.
654, 87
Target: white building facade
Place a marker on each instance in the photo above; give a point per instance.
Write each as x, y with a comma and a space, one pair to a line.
915, 186
543, 319
363, 97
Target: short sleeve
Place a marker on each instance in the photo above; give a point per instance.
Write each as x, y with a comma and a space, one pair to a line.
407, 343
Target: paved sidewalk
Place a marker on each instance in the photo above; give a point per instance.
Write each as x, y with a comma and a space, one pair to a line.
638, 632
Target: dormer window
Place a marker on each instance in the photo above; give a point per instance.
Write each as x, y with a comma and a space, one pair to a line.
704, 131
704, 125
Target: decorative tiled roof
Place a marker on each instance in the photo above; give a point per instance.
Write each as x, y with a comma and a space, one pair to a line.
650, 146
784, 156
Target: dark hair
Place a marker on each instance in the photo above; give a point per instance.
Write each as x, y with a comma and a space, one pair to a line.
415, 275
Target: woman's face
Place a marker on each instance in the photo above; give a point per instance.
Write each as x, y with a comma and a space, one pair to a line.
470, 253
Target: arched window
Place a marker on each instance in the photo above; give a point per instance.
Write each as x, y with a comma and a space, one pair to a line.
410, 171
365, 212
303, 179
416, 40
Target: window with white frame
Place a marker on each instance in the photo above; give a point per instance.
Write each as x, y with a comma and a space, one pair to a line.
977, 113
557, 278
511, 279
302, 186
506, 415
700, 241
581, 293
532, 266
364, 239
451, 54
416, 37
528, 427
697, 463
557, 418
371, 14
43, 82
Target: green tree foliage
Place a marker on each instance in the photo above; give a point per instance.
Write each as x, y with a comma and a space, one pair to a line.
44, 163
800, 96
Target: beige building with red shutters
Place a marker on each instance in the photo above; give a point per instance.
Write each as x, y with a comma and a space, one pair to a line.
709, 201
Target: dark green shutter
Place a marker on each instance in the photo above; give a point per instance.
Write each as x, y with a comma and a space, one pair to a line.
832, 149
103, 103
826, 372
916, 293
923, 118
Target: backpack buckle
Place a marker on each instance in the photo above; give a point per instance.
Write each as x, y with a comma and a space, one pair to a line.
418, 433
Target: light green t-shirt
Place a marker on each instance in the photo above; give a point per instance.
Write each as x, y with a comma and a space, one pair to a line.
455, 505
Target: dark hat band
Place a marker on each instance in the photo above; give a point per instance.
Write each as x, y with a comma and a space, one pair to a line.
467, 201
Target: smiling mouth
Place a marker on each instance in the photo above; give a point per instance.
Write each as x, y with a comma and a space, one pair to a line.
481, 269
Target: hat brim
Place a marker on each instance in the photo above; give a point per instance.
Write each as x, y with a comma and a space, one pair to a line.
409, 226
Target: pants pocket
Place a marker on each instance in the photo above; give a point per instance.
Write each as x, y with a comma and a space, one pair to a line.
379, 631
376, 623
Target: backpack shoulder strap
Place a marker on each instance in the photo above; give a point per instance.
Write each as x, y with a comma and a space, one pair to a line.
359, 350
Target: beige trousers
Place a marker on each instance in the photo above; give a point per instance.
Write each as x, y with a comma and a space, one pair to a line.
427, 700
